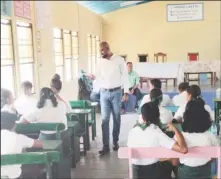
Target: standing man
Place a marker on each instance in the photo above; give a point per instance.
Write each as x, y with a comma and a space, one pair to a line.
134, 81
111, 73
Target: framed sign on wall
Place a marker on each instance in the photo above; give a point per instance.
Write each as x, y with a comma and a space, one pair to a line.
185, 12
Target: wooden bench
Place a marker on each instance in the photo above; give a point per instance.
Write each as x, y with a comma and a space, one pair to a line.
159, 152
29, 158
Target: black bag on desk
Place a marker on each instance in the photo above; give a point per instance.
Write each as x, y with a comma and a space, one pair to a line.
85, 87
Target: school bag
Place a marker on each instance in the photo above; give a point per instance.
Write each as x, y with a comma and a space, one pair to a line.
85, 86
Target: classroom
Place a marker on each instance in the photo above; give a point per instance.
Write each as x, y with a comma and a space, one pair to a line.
111, 89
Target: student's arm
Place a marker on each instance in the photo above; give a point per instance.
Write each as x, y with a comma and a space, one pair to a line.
180, 145
32, 117
179, 114
37, 144
207, 108
27, 142
145, 99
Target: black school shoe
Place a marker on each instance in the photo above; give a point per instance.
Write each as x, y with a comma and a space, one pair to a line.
104, 151
116, 147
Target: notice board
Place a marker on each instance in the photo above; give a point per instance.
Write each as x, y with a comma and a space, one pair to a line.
185, 12
22, 9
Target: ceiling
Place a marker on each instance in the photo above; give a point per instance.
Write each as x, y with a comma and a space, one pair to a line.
101, 7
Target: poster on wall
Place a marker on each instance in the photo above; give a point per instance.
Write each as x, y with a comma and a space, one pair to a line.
22, 9
6, 8
184, 12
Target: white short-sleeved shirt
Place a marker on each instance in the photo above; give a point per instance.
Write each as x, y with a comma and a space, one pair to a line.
8, 108
166, 116
25, 104
180, 99
179, 114
166, 100
152, 136
12, 143
96, 86
205, 139
49, 114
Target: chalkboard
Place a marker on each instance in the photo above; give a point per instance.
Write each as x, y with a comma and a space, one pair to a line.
184, 12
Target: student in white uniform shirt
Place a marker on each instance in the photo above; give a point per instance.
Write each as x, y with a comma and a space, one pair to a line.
56, 86
26, 103
13, 143
148, 134
193, 92
50, 110
155, 83
180, 99
7, 101
197, 122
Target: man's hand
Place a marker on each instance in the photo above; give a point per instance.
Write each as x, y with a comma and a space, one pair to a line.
125, 97
132, 91
171, 127
91, 76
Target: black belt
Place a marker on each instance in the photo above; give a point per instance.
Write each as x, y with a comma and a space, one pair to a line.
112, 89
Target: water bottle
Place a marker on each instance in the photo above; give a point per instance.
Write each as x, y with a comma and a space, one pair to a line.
218, 93
214, 129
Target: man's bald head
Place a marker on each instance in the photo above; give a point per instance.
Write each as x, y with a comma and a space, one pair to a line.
105, 50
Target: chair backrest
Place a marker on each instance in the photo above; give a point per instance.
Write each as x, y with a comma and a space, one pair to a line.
193, 57
162, 55
80, 104
159, 152
37, 127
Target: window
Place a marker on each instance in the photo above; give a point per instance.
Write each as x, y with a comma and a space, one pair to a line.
26, 52
67, 54
7, 57
75, 52
58, 50
93, 52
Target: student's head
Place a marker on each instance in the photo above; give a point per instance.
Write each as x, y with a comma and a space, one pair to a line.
193, 93
8, 121
156, 96
155, 83
47, 94
56, 83
105, 49
129, 66
6, 97
196, 118
150, 113
183, 86
26, 87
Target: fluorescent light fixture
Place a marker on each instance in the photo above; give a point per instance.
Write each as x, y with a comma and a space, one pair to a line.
127, 3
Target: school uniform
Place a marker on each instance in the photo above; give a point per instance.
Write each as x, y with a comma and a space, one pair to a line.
197, 167
165, 102
12, 143
179, 114
152, 136
49, 114
180, 99
25, 104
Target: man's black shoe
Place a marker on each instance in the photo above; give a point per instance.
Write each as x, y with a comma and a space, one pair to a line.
104, 151
115, 147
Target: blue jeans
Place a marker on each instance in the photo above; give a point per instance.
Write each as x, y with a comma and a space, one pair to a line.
110, 102
95, 97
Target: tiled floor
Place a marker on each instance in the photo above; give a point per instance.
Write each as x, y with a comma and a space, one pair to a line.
108, 166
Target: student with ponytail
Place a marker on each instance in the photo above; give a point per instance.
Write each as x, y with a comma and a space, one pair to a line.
148, 134
193, 93
56, 86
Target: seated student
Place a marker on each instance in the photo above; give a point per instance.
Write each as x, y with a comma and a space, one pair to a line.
26, 102
134, 82
156, 97
56, 86
49, 110
155, 83
13, 143
193, 93
7, 101
195, 126
180, 99
148, 134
